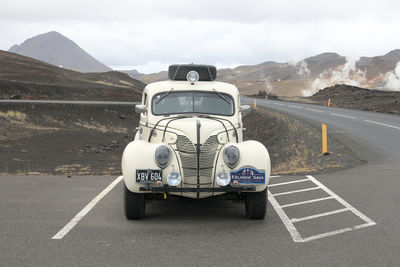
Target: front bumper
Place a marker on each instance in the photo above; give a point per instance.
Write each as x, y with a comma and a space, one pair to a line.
226, 189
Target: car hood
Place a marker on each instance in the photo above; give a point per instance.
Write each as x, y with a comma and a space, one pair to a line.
188, 127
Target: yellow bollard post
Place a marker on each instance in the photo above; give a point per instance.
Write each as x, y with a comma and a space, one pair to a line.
255, 103
324, 140
329, 102
266, 97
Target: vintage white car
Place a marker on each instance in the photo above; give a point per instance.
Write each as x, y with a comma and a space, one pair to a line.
190, 144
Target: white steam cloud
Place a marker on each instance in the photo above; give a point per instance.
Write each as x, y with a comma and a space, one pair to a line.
392, 79
348, 74
302, 68
267, 85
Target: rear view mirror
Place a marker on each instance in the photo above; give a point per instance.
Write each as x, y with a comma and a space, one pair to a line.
140, 108
244, 107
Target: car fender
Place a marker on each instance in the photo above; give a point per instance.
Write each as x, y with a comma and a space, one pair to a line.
140, 154
252, 154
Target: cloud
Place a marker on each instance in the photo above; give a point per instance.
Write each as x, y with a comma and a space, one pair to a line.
136, 33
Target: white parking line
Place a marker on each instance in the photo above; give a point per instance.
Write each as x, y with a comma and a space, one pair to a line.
285, 219
343, 116
387, 125
336, 232
307, 202
289, 223
275, 176
68, 227
341, 200
291, 182
314, 110
318, 215
296, 191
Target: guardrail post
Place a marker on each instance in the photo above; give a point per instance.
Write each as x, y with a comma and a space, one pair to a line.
329, 102
266, 97
255, 103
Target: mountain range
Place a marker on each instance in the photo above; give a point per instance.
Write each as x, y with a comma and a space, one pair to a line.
307, 76
297, 78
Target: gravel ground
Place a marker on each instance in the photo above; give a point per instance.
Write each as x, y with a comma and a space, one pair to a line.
79, 139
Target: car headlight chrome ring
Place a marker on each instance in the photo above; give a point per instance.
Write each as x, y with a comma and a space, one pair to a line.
162, 156
174, 178
231, 156
223, 178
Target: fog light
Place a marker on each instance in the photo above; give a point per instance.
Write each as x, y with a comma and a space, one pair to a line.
223, 178
174, 178
192, 76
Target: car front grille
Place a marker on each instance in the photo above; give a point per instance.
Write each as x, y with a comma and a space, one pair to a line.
187, 153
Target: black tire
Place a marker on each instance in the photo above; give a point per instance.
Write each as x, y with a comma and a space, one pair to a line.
134, 205
256, 205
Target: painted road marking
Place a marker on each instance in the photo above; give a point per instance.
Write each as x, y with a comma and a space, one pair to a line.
296, 191
290, 222
387, 125
279, 104
344, 116
285, 219
318, 215
69, 226
314, 110
291, 182
307, 201
275, 176
336, 232
341, 200
295, 106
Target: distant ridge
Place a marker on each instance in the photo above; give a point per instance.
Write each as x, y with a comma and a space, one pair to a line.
310, 74
56, 49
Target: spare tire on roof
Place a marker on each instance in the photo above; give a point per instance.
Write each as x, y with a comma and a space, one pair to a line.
178, 72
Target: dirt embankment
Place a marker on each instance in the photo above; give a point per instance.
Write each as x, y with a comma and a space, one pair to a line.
353, 97
89, 139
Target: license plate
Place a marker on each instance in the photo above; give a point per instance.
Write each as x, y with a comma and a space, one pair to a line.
248, 176
148, 176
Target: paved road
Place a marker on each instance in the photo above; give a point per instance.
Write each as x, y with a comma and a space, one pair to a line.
375, 135
34, 208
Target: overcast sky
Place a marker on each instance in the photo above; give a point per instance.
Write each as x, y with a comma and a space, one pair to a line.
149, 35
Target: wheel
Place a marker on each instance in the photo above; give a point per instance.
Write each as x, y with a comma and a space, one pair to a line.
256, 205
134, 205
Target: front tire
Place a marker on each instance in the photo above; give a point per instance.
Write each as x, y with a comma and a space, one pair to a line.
134, 205
256, 205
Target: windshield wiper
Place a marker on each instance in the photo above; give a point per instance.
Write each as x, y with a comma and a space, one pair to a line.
221, 96
164, 95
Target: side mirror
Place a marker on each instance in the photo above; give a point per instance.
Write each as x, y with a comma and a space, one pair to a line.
140, 108
244, 107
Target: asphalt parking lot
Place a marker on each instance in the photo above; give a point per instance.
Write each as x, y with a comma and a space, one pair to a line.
176, 232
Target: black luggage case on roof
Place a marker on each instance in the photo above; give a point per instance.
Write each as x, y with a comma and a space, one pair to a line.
178, 72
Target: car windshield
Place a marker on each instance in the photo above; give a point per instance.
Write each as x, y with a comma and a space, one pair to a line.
166, 103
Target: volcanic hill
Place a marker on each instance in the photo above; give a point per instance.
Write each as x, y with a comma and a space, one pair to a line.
54, 48
27, 78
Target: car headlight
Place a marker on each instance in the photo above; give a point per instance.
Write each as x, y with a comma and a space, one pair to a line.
174, 178
223, 178
163, 156
231, 156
